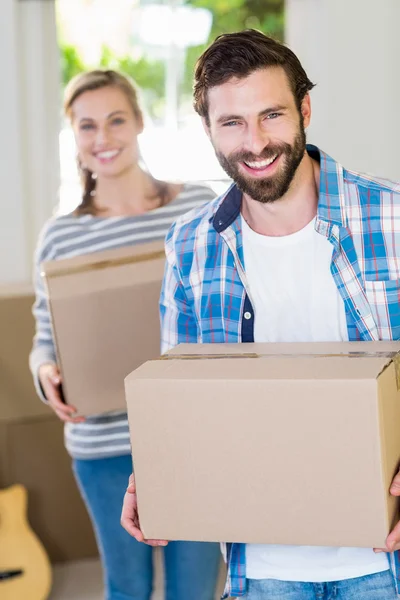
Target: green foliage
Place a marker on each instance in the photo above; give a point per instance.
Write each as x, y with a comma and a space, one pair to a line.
234, 15
228, 15
71, 62
148, 75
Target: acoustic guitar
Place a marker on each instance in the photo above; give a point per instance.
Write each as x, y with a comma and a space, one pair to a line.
25, 571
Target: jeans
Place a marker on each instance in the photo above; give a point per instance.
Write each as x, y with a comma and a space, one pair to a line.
191, 568
379, 586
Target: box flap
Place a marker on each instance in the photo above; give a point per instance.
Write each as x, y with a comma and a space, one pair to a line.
100, 260
252, 365
288, 348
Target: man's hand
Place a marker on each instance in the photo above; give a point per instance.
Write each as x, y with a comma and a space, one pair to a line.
393, 539
130, 518
50, 380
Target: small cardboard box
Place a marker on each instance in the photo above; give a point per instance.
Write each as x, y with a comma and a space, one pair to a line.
267, 443
105, 318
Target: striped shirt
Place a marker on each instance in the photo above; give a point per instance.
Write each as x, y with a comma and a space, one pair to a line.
68, 236
205, 296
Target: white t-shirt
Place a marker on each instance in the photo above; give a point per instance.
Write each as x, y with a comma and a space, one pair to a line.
295, 299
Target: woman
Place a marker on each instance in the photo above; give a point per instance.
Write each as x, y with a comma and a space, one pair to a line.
122, 204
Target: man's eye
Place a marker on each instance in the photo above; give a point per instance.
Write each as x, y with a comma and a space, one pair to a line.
273, 115
230, 123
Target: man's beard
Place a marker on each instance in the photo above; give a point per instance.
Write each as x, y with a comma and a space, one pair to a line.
272, 187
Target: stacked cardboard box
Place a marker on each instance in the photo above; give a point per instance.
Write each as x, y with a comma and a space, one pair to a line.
31, 440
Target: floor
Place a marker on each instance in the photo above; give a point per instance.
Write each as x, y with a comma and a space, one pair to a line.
82, 580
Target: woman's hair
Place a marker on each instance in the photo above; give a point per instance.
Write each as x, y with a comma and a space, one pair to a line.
95, 80
240, 54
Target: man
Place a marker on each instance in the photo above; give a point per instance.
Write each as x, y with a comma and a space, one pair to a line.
298, 249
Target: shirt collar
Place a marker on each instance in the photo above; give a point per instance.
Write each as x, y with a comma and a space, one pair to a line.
331, 201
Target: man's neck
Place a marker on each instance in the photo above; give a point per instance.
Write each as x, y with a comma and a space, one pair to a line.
293, 211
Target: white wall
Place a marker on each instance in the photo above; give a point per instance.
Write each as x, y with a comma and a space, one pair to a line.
30, 109
351, 49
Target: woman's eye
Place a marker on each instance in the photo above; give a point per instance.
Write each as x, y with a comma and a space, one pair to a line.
118, 121
86, 126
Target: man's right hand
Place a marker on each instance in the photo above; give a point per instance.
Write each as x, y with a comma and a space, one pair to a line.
130, 518
50, 380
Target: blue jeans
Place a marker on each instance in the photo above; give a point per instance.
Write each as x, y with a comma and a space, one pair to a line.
191, 568
379, 586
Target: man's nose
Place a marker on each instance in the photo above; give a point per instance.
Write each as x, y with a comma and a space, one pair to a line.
257, 139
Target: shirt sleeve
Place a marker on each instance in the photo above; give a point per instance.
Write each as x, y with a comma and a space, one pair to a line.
43, 350
178, 321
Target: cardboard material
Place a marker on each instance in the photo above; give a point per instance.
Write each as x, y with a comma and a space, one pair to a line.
295, 444
33, 453
105, 319
31, 440
18, 398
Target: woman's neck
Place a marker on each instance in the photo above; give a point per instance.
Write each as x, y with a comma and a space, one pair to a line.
130, 193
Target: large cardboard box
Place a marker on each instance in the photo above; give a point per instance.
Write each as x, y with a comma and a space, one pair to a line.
32, 448
105, 319
268, 443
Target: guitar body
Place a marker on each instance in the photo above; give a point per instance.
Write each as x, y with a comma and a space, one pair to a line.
21, 550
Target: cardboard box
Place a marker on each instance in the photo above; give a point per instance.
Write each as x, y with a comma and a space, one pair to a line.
18, 398
33, 454
268, 443
32, 448
105, 318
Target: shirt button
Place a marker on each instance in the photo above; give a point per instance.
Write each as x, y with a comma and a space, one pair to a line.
247, 315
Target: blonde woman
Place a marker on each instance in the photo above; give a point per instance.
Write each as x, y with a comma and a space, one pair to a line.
122, 204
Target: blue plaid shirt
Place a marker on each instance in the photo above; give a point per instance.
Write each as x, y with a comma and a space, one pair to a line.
205, 295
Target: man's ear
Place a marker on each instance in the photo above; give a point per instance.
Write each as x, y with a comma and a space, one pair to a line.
306, 110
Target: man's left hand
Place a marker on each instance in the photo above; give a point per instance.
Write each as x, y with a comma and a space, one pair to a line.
393, 539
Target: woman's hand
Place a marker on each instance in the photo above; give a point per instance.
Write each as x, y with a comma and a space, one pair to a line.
50, 380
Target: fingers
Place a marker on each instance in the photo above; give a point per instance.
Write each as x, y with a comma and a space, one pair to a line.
395, 487
131, 489
388, 549
155, 543
392, 541
64, 411
134, 531
50, 380
130, 518
67, 418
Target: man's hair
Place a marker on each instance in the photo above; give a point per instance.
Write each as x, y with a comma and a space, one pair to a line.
240, 54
